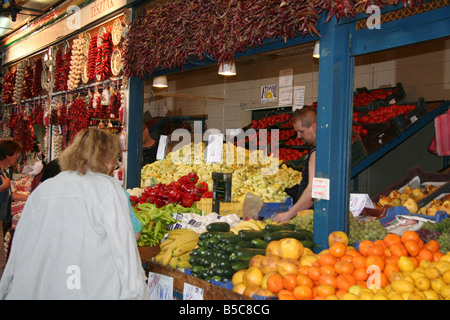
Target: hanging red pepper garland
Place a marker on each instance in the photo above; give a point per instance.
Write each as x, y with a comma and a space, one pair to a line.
92, 58
36, 86
37, 115
103, 67
8, 87
77, 117
24, 132
27, 82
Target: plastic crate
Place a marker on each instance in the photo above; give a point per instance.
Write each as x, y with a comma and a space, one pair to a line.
395, 211
397, 94
205, 204
375, 141
270, 209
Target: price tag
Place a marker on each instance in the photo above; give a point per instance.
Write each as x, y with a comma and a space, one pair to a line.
191, 292
214, 148
321, 188
359, 201
161, 286
162, 147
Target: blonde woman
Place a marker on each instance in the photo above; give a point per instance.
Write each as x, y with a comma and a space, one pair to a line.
75, 238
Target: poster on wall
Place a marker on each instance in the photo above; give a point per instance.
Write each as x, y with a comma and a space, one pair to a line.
269, 93
286, 96
299, 97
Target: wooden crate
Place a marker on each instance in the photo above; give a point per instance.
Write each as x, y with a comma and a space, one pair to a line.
210, 291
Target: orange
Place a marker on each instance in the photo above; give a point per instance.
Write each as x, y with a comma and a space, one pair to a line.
286, 266
340, 293
409, 235
353, 252
290, 282
391, 259
304, 280
327, 280
361, 283
372, 282
398, 250
346, 257
275, 283
269, 263
415, 261
437, 255
314, 273
432, 245
327, 259
273, 247
328, 270
375, 250
338, 249
303, 269
364, 246
359, 262
390, 268
412, 247
375, 260
391, 238
345, 281
425, 254
360, 274
324, 290
380, 243
303, 292
286, 295
344, 267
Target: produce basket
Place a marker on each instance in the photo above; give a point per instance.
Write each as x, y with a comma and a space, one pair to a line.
205, 204
270, 209
415, 175
377, 97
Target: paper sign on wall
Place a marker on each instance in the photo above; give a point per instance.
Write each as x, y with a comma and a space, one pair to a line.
161, 286
299, 97
285, 96
321, 189
269, 93
162, 147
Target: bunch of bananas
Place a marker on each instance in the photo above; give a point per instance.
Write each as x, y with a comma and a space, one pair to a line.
250, 224
175, 249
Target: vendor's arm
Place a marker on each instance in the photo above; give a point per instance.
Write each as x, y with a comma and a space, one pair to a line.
18, 196
306, 201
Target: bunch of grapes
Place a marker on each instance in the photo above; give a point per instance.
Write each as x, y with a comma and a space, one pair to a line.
304, 222
357, 230
442, 227
365, 230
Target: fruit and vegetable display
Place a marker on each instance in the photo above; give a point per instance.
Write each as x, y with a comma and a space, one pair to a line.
396, 267
247, 176
364, 97
384, 113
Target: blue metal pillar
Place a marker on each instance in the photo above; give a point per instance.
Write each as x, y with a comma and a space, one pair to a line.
135, 112
334, 116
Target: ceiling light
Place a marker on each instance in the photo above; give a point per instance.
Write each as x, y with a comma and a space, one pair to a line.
316, 52
160, 82
227, 69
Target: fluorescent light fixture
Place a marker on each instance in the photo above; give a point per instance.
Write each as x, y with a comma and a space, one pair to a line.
160, 82
227, 69
316, 52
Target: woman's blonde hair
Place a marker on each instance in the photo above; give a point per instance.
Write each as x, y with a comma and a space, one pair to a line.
91, 150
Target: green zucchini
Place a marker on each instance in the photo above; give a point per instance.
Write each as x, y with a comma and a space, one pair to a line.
213, 241
239, 265
251, 234
229, 248
309, 244
299, 235
232, 240
259, 243
218, 226
244, 244
248, 252
279, 227
204, 235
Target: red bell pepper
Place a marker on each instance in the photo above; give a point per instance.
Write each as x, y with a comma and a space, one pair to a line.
188, 200
202, 187
193, 177
207, 194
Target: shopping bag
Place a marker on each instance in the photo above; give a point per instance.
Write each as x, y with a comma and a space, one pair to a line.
442, 127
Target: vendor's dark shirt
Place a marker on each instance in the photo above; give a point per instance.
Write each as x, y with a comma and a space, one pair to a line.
149, 154
305, 175
50, 170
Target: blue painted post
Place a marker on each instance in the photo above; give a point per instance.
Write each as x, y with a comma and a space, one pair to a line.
135, 113
333, 130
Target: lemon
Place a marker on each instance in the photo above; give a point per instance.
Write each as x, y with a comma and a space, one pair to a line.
446, 277
365, 295
355, 289
432, 273
445, 258
402, 286
442, 266
394, 296
445, 291
416, 274
422, 283
437, 285
308, 259
238, 277
431, 295
416, 296
425, 264
380, 297
349, 296
332, 297
239, 287
405, 264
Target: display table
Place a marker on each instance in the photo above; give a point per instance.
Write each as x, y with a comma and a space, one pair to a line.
211, 291
147, 253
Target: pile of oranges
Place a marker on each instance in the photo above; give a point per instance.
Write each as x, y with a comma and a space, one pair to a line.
341, 271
